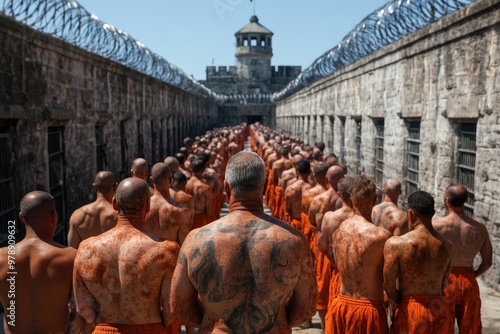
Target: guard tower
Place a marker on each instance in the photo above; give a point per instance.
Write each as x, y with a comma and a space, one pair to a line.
253, 53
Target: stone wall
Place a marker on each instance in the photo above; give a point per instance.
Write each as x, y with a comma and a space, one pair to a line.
444, 76
48, 85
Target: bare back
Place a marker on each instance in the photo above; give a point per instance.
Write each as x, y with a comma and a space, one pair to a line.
42, 286
330, 223
388, 216
168, 219
293, 198
91, 220
321, 204
201, 194
183, 197
254, 274
420, 261
120, 274
467, 235
358, 247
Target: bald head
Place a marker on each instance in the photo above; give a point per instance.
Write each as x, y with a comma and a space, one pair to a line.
457, 195
172, 163
246, 174
140, 168
36, 205
105, 182
392, 188
343, 187
132, 195
296, 158
161, 173
334, 174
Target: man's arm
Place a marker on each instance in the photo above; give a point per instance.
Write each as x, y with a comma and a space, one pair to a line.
391, 272
183, 296
86, 305
208, 201
302, 304
166, 283
75, 220
186, 223
401, 222
486, 252
314, 209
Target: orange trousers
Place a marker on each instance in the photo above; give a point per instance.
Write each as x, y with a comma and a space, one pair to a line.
130, 329
295, 223
199, 220
423, 314
351, 315
323, 277
306, 226
333, 293
462, 292
278, 199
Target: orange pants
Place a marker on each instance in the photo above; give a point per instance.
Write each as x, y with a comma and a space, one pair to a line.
130, 329
423, 314
295, 223
462, 292
352, 315
306, 226
323, 277
333, 292
278, 199
199, 220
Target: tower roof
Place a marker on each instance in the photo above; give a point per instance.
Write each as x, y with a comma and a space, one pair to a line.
254, 27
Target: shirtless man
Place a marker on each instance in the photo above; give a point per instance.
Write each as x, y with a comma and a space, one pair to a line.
319, 174
387, 213
233, 146
35, 288
279, 166
167, 218
178, 190
181, 158
468, 237
140, 169
97, 217
122, 277
293, 194
211, 178
201, 193
416, 269
253, 273
358, 250
172, 163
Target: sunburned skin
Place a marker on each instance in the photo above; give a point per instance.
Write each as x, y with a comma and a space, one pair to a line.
293, 198
330, 224
388, 216
201, 193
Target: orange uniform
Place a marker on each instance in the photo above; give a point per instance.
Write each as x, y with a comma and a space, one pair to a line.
306, 226
130, 329
199, 220
323, 277
462, 292
295, 223
278, 200
423, 314
352, 315
334, 290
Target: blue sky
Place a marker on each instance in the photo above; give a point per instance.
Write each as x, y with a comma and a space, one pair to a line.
194, 33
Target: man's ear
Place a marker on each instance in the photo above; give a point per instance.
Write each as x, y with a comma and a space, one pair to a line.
115, 205
148, 205
227, 189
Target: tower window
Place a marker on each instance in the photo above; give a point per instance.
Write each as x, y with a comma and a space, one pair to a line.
245, 41
253, 41
263, 42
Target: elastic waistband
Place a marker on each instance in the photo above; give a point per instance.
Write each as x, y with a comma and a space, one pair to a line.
129, 329
360, 302
422, 299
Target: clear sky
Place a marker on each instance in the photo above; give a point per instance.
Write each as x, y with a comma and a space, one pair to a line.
193, 34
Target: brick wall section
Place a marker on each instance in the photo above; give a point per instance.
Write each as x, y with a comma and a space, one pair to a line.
442, 75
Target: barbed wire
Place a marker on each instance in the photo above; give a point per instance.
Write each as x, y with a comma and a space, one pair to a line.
384, 26
69, 21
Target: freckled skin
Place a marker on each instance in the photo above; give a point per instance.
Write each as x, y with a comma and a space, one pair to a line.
123, 276
358, 252
417, 263
388, 216
254, 274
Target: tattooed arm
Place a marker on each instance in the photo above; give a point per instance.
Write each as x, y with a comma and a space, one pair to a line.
183, 296
302, 303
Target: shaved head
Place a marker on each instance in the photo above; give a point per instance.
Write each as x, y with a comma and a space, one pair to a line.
140, 168
132, 195
457, 195
37, 204
105, 182
334, 174
392, 187
172, 163
160, 173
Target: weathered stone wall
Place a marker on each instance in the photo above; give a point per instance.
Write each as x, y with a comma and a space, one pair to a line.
444, 75
45, 82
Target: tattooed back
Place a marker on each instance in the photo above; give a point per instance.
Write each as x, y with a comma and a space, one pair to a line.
245, 268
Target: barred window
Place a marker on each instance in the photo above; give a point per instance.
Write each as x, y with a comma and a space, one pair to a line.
466, 163
123, 151
56, 179
331, 134
358, 147
140, 141
162, 146
153, 143
342, 140
8, 208
100, 149
412, 157
379, 152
